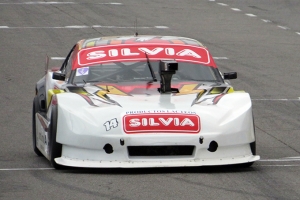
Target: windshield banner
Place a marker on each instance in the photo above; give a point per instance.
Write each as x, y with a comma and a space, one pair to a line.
134, 52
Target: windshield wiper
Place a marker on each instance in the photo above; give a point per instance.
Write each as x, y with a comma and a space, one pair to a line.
151, 69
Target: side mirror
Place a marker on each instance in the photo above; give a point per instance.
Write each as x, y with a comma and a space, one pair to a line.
58, 76
230, 75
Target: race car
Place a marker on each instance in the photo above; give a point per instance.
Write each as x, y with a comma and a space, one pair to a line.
141, 102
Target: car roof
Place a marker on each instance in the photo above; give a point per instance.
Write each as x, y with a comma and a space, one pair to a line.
141, 39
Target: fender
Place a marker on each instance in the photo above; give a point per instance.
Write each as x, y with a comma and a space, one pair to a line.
40, 92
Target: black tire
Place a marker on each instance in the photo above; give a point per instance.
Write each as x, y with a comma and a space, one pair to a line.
253, 147
54, 147
253, 150
35, 109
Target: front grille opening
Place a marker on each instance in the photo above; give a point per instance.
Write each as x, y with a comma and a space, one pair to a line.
182, 150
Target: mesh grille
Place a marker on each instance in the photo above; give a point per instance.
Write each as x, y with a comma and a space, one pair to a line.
183, 150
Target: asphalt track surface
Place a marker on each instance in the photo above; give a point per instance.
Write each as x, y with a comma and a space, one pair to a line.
258, 39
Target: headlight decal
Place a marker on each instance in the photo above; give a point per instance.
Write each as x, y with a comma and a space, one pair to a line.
87, 99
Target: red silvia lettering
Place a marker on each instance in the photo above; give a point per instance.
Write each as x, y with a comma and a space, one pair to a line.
136, 122
156, 123
128, 52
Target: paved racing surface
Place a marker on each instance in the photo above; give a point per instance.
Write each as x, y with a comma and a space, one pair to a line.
258, 39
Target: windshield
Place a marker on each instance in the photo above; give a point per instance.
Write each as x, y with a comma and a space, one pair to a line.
140, 71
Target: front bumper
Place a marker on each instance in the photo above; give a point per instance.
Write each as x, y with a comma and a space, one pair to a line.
120, 158
149, 164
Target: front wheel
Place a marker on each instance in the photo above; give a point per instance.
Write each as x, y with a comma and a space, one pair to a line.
253, 150
54, 147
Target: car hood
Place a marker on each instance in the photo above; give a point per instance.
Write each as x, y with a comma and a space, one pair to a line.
141, 95
111, 110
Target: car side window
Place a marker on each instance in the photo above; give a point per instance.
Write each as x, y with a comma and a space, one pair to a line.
68, 67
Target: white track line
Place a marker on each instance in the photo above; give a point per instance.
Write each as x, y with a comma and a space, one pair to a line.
82, 27
54, 2
24, 169
250, 15
161, 27
279, 165
280, 160
76, 26
57, 58
293, 157
286, 159
222, 4
220, 58
266, 20
283, 27
235, 9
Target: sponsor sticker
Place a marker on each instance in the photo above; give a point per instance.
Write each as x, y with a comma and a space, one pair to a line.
161, 122
82, 71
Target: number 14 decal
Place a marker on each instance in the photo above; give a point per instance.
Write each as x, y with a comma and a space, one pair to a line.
113, 123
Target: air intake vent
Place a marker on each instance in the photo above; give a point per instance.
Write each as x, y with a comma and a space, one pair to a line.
160, 150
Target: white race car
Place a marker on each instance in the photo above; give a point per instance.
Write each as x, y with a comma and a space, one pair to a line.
141, 101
